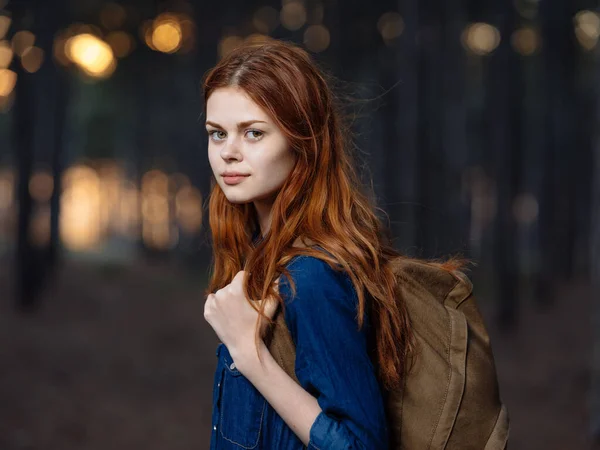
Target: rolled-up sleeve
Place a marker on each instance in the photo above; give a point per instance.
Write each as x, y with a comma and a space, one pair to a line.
332, 360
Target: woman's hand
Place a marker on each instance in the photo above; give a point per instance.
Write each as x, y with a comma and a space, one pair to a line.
234, 320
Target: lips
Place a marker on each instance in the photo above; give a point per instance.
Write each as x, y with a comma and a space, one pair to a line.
234, 174
234, 179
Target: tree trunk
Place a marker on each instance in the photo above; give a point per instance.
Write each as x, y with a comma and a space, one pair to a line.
55, 17
402, 139
557, 215
594, 239
505, 98
453, 146
429, 164
28, 265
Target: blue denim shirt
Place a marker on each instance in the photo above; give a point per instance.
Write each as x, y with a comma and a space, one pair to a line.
332, 363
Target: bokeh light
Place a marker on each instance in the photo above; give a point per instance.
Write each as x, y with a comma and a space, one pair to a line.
188, 209
155, 197
146, 30
525, 41
189, 33
7, 186
8, 79
293, 15
59, 51
92, 54
21, 41
39, 227
587, 28
111, 179
481, 38
167, 35
32, 59
265, 19
4, 26
41, 185
177, 181
6, 54
121, 43
155, 182
129, 207
526, 208
228, 44
257, 38
79, 221
390, 25
317, 38
160, 236
157, 231
85, 28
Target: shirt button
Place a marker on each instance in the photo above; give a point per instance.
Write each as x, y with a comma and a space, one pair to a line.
215, 427
232, 366
218, 384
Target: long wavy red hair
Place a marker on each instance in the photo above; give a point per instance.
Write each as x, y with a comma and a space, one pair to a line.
322, 200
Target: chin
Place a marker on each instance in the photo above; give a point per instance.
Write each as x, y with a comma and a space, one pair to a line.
238, 199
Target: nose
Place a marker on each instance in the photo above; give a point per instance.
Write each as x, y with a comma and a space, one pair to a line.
231, 149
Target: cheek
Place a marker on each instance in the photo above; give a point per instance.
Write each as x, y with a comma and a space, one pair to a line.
212, 159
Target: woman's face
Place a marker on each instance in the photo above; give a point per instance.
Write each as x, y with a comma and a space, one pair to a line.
242, 138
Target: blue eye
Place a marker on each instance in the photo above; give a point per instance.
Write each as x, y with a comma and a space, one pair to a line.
212, 135
255, 137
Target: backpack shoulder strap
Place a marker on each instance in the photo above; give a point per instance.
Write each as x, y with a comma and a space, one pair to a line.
281, 345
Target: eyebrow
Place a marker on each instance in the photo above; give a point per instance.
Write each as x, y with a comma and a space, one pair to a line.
240, 125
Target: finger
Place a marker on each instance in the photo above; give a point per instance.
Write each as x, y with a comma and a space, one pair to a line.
239, 276
208, 306
238, 280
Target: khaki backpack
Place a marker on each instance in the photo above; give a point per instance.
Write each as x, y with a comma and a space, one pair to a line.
449, 399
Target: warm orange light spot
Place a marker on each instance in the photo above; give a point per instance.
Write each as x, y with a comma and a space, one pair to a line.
587, 28
4, 25
188, 209
92, 54
32, 59
167, 35
6, 54
481, 38
21, 41
8, 79
79, 221
41, 185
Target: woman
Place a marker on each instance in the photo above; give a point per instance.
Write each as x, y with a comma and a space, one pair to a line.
287, 202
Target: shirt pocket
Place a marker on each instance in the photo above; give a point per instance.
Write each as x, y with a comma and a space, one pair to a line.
242, 407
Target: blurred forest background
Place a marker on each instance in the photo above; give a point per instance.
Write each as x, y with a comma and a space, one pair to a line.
480, 134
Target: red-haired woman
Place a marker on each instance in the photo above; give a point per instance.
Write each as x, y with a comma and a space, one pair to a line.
287, 203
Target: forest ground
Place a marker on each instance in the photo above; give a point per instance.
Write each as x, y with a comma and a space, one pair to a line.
121, 357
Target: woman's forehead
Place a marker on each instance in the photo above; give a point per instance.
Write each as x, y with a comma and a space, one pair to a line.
233, 105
